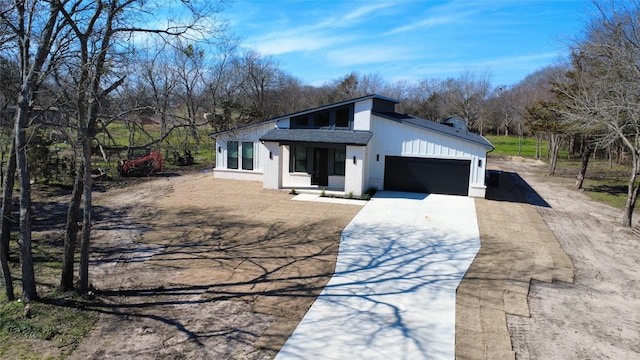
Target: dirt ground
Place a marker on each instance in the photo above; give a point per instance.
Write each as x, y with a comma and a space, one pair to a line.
191, 267
598, 315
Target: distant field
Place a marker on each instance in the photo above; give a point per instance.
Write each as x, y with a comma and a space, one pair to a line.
508, 146
604, 183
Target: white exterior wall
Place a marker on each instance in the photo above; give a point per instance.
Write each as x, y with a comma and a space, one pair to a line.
355, 173
336, 182
272, 163
395, 139
259, 152
362, 114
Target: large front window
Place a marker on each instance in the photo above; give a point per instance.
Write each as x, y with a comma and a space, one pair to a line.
300, 159
247, 156
232, 155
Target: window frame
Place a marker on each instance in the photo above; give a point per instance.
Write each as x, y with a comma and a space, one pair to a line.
231, 159
298, 159
247, 162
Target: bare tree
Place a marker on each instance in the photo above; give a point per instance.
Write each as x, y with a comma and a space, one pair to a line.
585, 154
465, 96
606, 85
11, 81
34, 27
7, 191
97, 27
259, 78
425, 99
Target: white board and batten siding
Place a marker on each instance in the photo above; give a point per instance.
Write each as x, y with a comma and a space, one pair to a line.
259, 150
391, 138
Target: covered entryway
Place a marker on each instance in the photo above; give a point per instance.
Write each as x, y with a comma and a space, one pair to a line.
427, 175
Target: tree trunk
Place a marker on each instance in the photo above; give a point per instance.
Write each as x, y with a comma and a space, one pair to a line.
83, 284
24, 240
632, 193
71, 234
519, 144
5, 223
555, 141
587, 148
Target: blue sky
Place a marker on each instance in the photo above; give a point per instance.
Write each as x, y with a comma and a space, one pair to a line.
319, 41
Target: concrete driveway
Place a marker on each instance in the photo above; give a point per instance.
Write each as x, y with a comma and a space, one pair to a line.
393, 294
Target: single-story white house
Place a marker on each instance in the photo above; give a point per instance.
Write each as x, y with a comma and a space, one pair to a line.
355, 145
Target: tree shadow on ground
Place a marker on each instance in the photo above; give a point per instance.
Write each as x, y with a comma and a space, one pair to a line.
205, 257
608, 189
390, 284
510, 187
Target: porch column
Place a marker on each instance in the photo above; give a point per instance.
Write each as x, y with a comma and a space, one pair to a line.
354, 170
272, 176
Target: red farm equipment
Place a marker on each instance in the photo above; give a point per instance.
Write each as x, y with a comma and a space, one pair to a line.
148, 163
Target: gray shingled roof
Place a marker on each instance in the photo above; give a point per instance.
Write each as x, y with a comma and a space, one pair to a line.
434, 126
344, 137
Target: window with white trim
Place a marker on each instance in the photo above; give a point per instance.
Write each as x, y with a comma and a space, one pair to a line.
247, 156
232, 154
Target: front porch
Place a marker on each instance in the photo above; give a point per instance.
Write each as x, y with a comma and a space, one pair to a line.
315, 167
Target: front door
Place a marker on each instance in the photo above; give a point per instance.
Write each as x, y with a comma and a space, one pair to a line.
320, 174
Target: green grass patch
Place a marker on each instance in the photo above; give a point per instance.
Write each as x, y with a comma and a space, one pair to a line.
55, 325
514, 146
525, 147
614, 195
57, 330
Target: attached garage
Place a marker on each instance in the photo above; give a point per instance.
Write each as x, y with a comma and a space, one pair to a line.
427, 175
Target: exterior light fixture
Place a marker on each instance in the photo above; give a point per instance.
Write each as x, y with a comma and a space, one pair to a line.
354, 159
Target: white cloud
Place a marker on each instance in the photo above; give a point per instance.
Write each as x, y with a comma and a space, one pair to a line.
364, 10
324, 34
368, 54
278, 44
524, 59
432, 21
